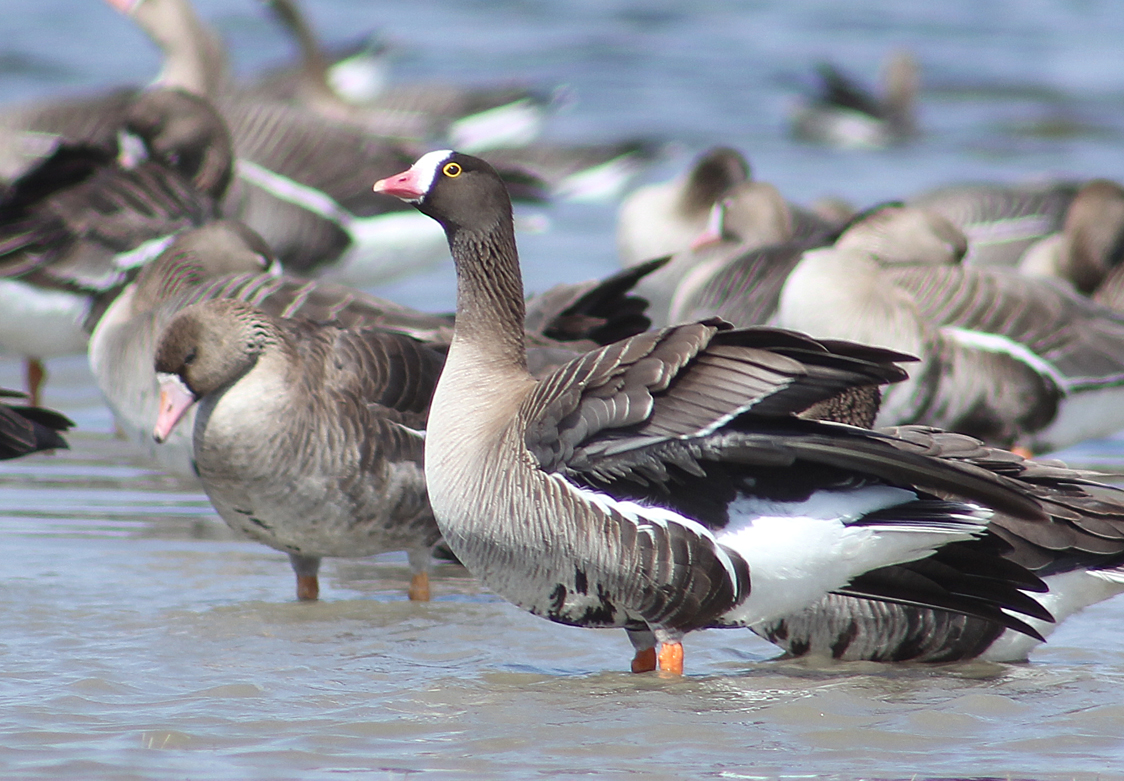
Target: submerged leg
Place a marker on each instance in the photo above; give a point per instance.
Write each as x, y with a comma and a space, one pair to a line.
307, 568
36, 375
644, 642
419, 583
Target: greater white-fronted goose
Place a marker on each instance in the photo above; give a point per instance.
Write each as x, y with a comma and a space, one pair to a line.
1079, 557
846, 115
1000, 221
66, 225
1090, 245
1007, 358
28, 429
664, 218
308, 436
752, 216
663, 483
227, 260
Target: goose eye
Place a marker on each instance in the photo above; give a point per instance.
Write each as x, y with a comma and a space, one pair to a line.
452, 170
189, 358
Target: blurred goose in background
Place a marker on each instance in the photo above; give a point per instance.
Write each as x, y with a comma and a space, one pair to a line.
478, 117
228, 260
744, 284
1006, 358
308, 437
664, 218
74, 228
1000, 221
846, 115
1090, 245
29, 429
640, 485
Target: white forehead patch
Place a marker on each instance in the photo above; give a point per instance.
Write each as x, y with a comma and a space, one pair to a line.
425, 169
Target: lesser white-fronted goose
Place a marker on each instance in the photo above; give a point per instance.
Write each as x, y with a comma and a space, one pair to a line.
27, 429
663, 483
66, 225
844, 114
664, 218
308, 436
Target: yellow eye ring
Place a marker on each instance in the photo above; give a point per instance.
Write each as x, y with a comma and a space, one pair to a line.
452, 170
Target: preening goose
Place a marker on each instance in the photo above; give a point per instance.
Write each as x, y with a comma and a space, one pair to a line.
25, 429
663, 483
844, 114
67, 224
308, 437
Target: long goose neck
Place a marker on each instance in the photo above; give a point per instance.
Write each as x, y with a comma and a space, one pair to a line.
490, 308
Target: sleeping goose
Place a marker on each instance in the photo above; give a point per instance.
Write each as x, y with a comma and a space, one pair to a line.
847, 116
308, 436
73, 229
25, 429
1000, 221
663, 483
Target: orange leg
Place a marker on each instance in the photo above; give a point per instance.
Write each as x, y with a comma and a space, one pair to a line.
1025, 452
308, 588
419, 587
644, 661
671, 658
36, 374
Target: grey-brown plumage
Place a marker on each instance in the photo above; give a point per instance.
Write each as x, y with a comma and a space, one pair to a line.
623, 488
1079, 556
1000, 221
308, 437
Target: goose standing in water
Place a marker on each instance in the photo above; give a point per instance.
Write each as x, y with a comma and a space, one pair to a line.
308, 437
663, 483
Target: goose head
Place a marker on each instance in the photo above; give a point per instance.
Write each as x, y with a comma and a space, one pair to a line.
905, 235
186, 133
460, 191
754, 214
205, 348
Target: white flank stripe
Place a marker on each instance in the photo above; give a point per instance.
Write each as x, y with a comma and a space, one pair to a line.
603, 182
1001, 344
1003, 231
645, 516
142, 254
295, 193
514, 124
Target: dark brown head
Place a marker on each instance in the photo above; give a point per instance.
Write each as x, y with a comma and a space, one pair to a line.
459, 191
714, 175
207, 347
186, 133
1094, 224
196, 255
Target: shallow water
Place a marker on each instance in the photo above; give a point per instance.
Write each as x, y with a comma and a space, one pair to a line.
141, 639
